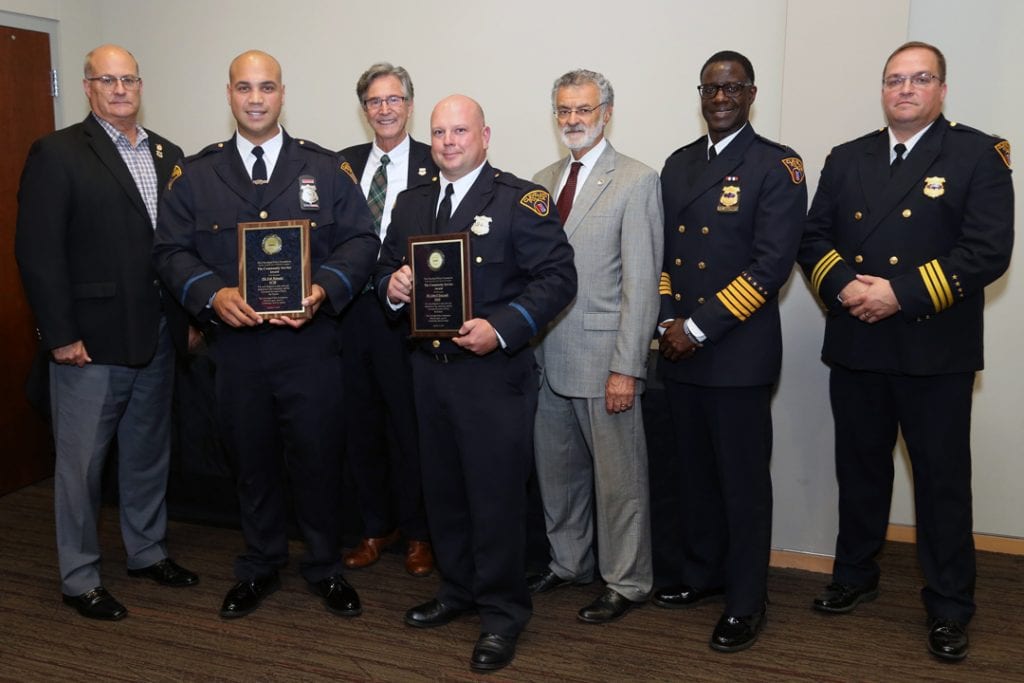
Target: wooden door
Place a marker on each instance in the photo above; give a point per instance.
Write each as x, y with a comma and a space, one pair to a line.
26, 113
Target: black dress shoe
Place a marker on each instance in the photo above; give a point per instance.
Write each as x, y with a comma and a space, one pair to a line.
492, 652
433, 613
97, 604
548, 581
245, 596
840, 598
681, 595
166, 572
947, 639
339, 597
733, 634
609, 607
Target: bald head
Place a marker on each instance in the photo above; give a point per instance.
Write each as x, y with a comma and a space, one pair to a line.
255, 58
458, 136
104, 53
256, 95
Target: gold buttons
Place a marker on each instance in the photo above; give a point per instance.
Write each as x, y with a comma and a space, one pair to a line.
312, 224
857, 215
682, 229
678, 297
436, 344
263, 214
705, 230
302, 142
220, 144
479, 259
701, 265
907, 213
893, 260
215, 227
700, 300
679, 261
858, 259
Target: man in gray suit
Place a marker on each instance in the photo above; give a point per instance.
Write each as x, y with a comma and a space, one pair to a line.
589, 438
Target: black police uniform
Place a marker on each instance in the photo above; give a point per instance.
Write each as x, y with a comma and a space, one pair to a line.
277, 388
732, 227
939, 230
476, 413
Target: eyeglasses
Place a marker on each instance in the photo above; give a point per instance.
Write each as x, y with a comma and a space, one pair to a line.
378, 102
562, 113
110, 82
918, 80
709, 90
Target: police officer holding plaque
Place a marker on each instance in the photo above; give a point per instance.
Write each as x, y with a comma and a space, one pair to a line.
278, 372
476, 389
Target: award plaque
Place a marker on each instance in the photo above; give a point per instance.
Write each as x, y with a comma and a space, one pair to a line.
441, 295
273, 267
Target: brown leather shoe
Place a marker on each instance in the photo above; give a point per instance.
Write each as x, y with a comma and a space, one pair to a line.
419, 558
368, 551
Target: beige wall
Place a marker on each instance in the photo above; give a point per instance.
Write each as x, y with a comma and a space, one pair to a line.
818, 69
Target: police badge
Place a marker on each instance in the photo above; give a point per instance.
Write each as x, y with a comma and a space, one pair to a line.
729, 202
934, 186
309, 200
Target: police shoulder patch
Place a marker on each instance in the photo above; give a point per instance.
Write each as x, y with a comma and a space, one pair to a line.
176, 173
1003, 148
347, 168
795, 166
537, 201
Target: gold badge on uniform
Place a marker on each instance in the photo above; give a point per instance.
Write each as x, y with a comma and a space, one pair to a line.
347, 168
537, 201
1003, 147
934, 186
729, 202
175, 174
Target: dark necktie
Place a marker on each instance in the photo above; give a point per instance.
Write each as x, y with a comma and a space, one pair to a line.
712, 153
565, 197
899, 148
259, 169
444, 211
378, 192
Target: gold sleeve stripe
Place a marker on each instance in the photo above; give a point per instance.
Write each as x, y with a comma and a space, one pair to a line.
827, 262
735, 307
741, 298
665, 286
937, 285
748, 289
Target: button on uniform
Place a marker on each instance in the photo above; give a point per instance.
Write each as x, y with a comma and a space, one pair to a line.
893, 260
263, 214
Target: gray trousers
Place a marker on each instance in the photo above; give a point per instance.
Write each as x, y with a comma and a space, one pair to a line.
91, 405
586, 460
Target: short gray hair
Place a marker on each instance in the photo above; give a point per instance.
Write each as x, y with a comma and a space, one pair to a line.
582, 77
383, 69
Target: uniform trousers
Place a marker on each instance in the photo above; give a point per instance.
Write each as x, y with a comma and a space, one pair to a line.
723, 439
587, 458
476, 446
90, 406
279, 411
934, 413
380, 436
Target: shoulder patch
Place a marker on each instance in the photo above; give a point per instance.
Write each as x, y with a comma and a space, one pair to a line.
1003, 148
537, 201
176, 173
347, 169
795, 166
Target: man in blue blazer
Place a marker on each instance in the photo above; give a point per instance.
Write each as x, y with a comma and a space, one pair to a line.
380, 417
86, 211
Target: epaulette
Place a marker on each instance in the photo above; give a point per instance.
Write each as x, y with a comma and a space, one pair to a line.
701, 140
874, 133
511, 180
785, 148
307, 144
964, 128
209, 149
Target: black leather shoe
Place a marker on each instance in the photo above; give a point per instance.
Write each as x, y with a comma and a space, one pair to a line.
97, 604
840, 598
733, 634
492, 652
611, 606
431, 614
681, 595
947, 639
166, 572
339, 597
548, 581
245, 596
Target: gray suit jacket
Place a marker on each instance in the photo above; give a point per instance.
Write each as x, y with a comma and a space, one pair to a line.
616, 230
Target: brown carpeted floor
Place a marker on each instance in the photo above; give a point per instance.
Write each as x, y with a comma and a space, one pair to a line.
176, 635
